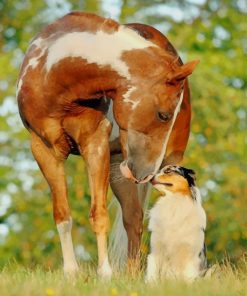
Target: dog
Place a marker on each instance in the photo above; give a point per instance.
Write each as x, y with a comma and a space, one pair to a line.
177, 224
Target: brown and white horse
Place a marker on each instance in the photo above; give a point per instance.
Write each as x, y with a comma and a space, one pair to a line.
113, 94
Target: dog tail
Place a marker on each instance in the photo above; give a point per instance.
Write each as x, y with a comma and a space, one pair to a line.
118, 246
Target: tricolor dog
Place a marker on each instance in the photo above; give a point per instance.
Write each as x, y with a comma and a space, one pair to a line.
177, 224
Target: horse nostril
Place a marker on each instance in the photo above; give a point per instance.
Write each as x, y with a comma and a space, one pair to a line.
126, 172
129, 171
130, 165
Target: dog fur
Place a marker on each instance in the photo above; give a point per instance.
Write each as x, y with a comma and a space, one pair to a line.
177, 224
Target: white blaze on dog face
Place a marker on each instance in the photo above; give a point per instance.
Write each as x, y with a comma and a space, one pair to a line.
101, 48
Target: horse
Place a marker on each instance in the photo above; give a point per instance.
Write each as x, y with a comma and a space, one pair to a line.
118, 96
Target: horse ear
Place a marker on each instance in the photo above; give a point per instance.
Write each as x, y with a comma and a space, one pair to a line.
182, 72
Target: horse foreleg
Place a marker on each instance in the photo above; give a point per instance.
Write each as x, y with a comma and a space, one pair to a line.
132, 213
95, 151
52, 167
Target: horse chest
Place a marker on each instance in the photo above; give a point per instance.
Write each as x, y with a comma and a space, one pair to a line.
105, 106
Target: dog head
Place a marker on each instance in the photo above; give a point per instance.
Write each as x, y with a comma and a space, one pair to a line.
175, 179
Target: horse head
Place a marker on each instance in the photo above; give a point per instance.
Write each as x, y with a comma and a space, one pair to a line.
147, 114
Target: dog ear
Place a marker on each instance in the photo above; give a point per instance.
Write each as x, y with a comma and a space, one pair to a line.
190, 175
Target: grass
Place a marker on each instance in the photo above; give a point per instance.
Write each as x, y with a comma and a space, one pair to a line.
15, 280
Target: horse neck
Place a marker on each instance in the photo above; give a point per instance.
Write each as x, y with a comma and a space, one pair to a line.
113, 87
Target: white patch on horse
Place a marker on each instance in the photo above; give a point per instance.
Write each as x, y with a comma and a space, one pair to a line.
100, 48
163, 152
115, 127
64, 231
105, 271
41, 44
128, 100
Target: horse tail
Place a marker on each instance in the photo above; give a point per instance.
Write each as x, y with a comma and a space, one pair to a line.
118, 246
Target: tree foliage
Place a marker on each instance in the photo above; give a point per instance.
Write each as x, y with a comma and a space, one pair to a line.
215, 32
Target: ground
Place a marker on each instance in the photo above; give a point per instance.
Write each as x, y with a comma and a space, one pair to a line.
16, 280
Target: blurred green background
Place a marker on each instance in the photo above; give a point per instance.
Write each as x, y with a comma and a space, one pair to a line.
215, 32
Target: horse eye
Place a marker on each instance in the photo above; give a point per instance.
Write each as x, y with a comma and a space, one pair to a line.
164, 116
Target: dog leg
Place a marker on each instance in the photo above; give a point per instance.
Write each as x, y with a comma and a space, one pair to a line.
152, 269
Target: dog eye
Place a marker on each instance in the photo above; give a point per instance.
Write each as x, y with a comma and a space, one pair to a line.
164, 116
167, 170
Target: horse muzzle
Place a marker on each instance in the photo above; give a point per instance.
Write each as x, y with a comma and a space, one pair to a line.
127, 173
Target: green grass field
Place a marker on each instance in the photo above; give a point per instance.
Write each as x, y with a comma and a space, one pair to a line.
15, 280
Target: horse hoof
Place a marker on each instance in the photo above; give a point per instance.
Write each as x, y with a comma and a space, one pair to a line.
71, 271
150, 280
105, 272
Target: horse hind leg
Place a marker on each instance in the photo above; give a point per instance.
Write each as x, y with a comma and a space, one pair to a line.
51, 163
